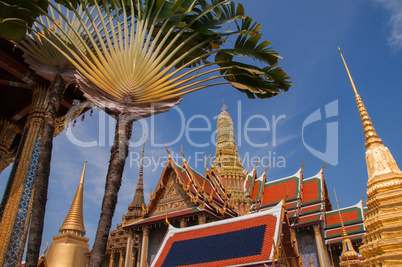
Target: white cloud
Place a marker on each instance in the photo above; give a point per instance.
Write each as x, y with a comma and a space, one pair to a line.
395, 7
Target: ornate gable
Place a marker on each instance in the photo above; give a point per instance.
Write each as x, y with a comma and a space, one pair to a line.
173, 198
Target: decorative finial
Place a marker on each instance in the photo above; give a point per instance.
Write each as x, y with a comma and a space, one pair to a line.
340, 217
206, 163
256, 163
167, 150
224, 106
266, 167
287, 191
325, 163
166, 219
210, 161
368, 128
184, 158
302, 163
151, 196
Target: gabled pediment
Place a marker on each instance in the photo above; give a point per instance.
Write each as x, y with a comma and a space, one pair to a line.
173, 198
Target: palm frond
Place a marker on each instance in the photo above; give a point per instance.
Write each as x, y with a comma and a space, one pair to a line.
139, 55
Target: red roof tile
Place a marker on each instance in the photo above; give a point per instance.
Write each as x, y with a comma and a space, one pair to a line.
204, 241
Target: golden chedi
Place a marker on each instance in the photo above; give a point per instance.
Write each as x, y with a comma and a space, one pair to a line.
69, 247
228, 162
383, 221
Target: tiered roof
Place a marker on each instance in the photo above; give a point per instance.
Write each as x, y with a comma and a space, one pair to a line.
306, 199
352, 217
268, 194
312, 200
193, 194
217, 243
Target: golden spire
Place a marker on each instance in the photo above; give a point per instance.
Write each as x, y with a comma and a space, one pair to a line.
383, 239
75, 218
349, 256
224, 106
368, 128
344, 234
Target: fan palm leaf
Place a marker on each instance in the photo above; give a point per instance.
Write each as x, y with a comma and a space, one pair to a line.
142, 56
139, 58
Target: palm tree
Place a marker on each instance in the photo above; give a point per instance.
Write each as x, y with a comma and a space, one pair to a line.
141, 58
47, 61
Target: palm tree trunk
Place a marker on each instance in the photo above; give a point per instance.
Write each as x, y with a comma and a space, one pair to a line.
42, 175
118, 155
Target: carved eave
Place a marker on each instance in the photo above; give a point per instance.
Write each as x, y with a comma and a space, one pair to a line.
215, 197
248, 187
223, 191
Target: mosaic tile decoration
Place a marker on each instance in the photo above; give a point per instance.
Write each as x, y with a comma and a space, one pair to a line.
217, 247
15, 245
236, 241
12, 173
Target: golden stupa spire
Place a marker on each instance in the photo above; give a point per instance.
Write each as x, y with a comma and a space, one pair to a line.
349, 256
382, 242
368, 128
70, 246
75, 218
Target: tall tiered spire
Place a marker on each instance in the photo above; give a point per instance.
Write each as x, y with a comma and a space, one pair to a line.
349, 256
69, 247
135, 208
226, 157
383, 239
75, 218
368, 128
227, 161
139, 191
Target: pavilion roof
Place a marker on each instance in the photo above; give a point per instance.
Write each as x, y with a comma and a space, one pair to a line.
244, 240
203, 195
353, 220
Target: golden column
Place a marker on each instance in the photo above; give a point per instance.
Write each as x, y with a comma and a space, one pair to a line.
8, 131
17, 197
144, 247
383, 239
121, 258
129, 249
111, 260
320, 244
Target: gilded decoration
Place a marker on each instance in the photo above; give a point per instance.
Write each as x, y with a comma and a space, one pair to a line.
383, 239
173, 197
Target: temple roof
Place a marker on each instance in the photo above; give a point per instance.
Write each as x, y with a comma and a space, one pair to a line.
352, 217
217, 243
190, 194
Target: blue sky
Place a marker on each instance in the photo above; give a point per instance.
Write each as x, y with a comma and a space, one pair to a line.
306, 34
